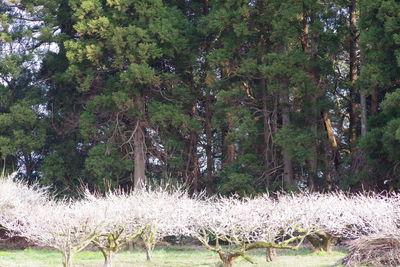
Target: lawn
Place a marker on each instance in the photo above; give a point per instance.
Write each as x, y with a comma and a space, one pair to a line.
168, 257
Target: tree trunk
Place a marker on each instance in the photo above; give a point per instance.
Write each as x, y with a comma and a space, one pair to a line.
364, 128
229, 146
287, 162
193, 168
353, 73
322, 241
139, 157
315, 242
267, 133
313, 161
208, 131
227, 260
149, 254
270, 254
227, 263
67, 259
309, 43
108, 258
329, 130
358, 110
331, 152
28, 165
327, 243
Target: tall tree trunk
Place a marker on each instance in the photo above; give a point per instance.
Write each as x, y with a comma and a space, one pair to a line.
267, 132
192, 173
358, 108
193, 167
363, 100
310, 47
229, 146
329, 130
331, 152
209, 154
353, 74
139, 157
28, 165
208, 112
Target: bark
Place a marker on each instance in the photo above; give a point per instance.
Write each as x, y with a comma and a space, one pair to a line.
230, 154
208, 113
327, 243
227, 263
353, 73
227, 258
287, 162
229, 146
363, 101
275, 115
269, 158
267, 128
315, 242
108, 258
67, 259
193, 168
139, 157
209, 156
354, 119
358, 108
192, 172
313, 161
329, 130
331, 152
322, 241
149, 254
310, 46
270, 254
363, 104
28, 164
149, 240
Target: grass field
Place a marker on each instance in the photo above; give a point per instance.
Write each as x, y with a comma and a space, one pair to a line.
168, 257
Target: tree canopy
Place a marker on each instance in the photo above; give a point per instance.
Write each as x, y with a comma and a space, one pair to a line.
226, 96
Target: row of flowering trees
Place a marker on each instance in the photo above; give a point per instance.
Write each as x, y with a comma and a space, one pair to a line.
109, 222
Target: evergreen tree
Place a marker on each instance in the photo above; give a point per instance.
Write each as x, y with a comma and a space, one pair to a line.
121, 60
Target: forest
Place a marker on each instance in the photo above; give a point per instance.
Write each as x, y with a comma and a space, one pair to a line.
226, 96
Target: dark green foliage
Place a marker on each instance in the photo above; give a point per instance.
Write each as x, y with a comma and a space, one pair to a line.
297, 141
230, 96
383, 141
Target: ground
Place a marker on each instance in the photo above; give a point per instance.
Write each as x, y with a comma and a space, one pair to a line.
168, 257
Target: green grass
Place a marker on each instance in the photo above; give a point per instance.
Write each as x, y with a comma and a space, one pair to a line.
168, 257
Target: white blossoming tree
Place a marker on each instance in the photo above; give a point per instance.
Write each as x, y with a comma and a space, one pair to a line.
279, 222
120, 223
151, 215
65, 226
248, 224
16, 198
341, 216
164, 214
